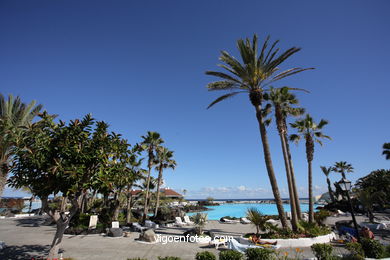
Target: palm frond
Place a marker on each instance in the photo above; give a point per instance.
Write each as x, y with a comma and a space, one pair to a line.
222, 75
222, 85
226, 96
294, 138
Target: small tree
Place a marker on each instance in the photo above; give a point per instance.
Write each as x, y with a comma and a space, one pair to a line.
258, 219
200, 221
342, 167
59, 158
210, 200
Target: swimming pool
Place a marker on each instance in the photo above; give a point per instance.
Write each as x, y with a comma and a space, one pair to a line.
239, 210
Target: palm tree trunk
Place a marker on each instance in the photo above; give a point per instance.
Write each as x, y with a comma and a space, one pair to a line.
146, 209
330, 189
3, 178
268, 163
311, 203
158, 189
128, 209
30, 203
294, 220
296, 196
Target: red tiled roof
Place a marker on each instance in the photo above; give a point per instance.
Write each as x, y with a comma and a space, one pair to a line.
135, 192
171, 193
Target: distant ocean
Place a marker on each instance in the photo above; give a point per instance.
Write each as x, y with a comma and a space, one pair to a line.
267, 199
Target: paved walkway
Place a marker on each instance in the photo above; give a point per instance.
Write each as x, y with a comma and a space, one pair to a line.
30, 237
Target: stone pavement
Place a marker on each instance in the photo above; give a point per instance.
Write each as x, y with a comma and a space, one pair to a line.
30, 237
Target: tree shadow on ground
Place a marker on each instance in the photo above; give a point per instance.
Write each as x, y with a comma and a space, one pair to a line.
24, 252
32, 222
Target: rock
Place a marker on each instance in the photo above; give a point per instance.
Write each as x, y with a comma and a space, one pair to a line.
148, 236
115, 232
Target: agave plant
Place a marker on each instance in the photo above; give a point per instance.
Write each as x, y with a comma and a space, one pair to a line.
200, 220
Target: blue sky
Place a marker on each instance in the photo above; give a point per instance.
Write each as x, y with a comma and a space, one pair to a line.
139, 65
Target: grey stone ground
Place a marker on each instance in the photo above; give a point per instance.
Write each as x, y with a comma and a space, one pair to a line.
30, 237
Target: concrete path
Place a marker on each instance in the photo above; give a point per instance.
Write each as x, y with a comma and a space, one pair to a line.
29, 237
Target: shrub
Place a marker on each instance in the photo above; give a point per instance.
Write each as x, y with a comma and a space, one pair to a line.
321, 215
205, 255
322, 251
313, 230
372, 248
355, 249
259, 253
169, 258
230, 255
387, 251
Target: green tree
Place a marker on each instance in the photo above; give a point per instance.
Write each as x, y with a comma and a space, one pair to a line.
282, 101
14, 117
164, 160
150, 144
61, 158
377, 182
342, 167
256, 72
327, 171
311, 132
386, 150
368, 197
137, 174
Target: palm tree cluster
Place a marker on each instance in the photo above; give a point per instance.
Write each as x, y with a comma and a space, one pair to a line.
341, 167
161, 158
16, 119
254, 75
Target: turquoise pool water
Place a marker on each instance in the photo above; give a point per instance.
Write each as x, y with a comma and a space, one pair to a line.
239, 210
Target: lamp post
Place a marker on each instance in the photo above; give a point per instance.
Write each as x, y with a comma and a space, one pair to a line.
345, 186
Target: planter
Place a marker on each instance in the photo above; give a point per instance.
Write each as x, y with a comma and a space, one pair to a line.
295, 242
24, 215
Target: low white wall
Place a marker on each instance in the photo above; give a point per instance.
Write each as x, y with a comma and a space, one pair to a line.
23, 215
297, 242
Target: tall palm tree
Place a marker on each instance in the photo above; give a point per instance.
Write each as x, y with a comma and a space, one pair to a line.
386, 150
163, 161
150, 144
137, 173
256, 72
327, 171
311, 132
282, 101
342, 167
14, 115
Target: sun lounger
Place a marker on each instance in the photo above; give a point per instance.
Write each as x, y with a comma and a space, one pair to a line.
188, 221
151, 224
179, 222
230, 221
245, 221
237, 246
343, 214
137, 227
384, 224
